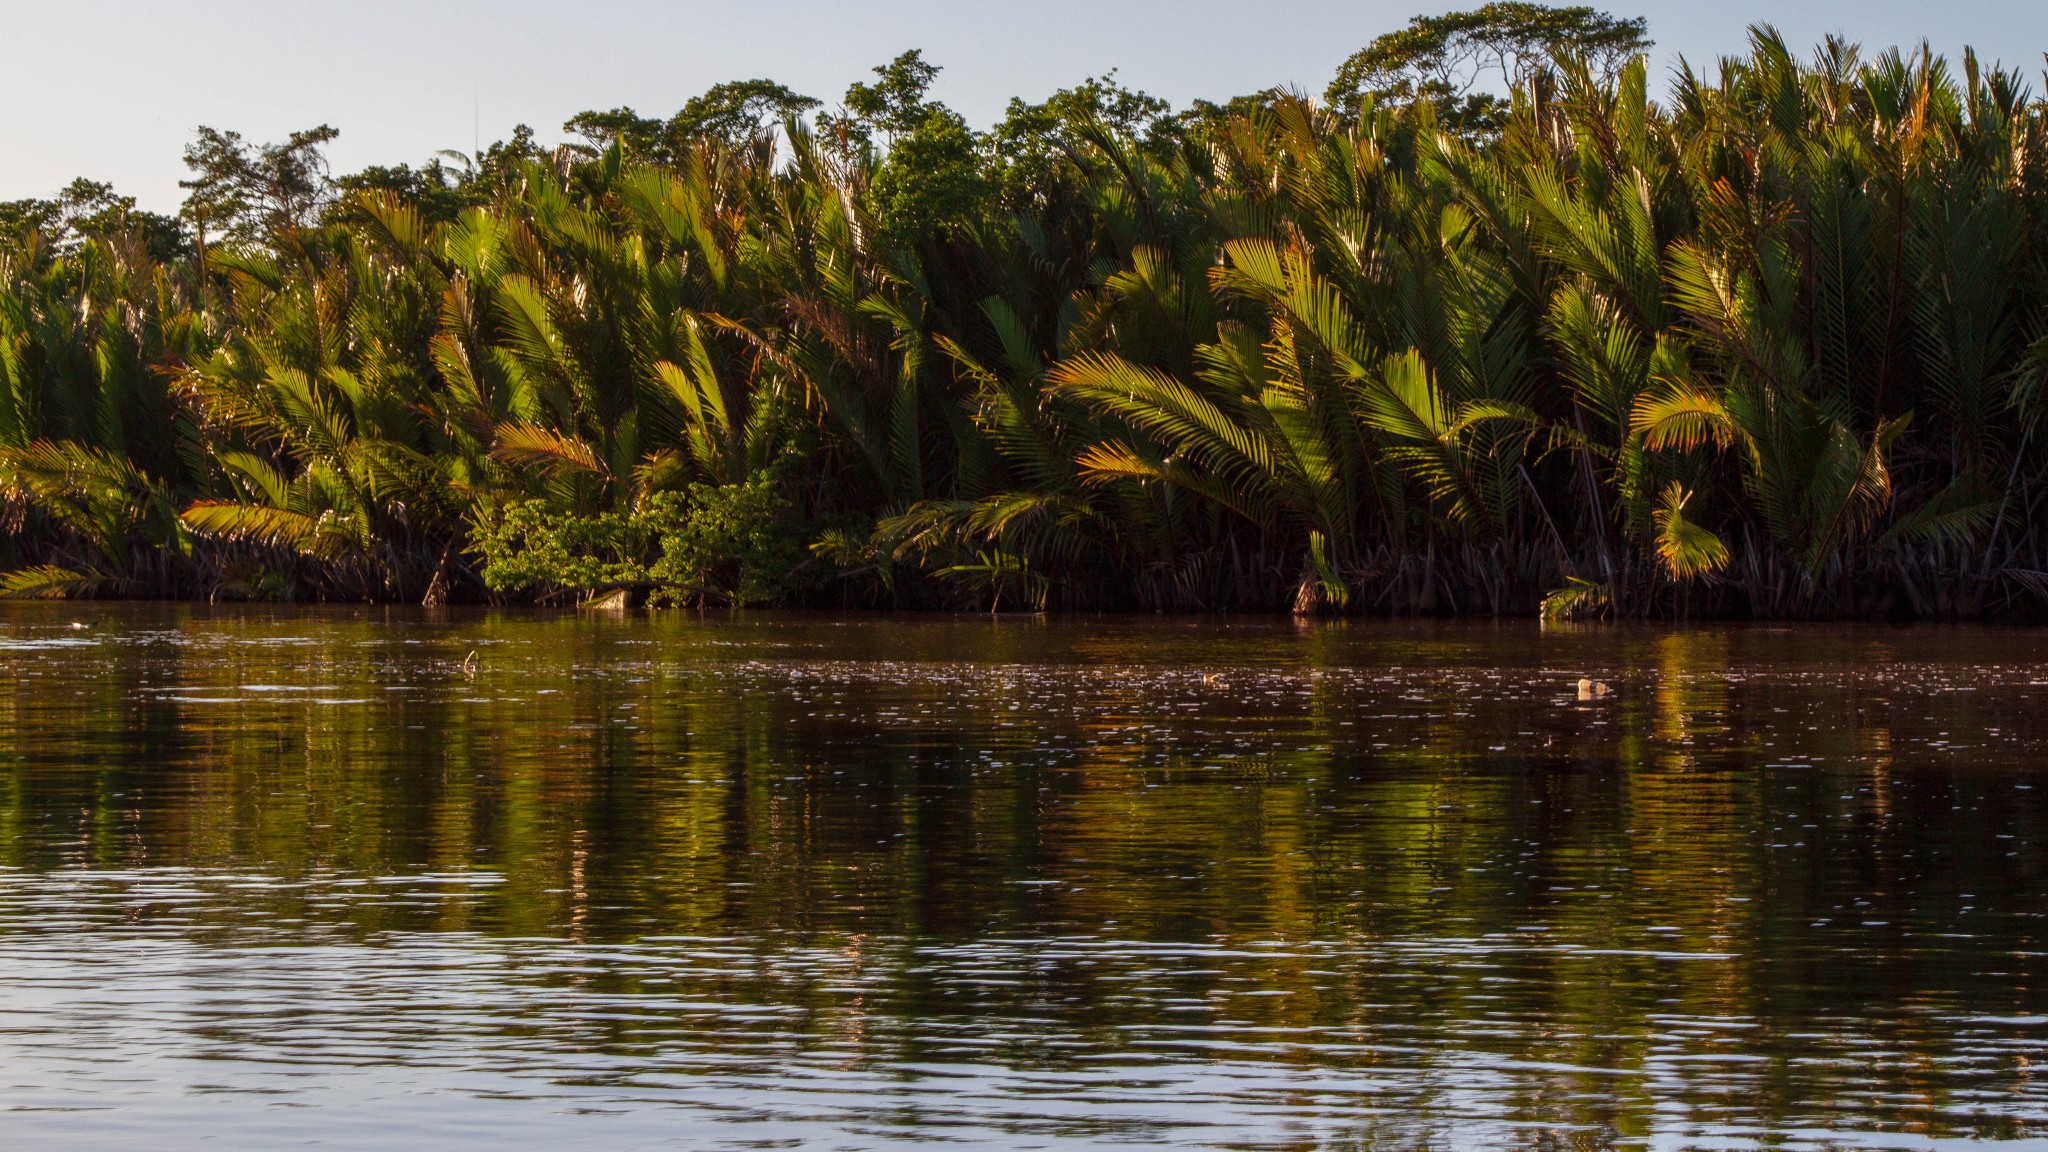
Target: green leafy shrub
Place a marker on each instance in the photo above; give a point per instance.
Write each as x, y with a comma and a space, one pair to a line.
529, 545
707, 544
729, 542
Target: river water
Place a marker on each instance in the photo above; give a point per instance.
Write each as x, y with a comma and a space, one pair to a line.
369, 879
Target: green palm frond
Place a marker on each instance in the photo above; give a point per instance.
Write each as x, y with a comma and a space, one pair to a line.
1955, 517
998, 574
47, 582
534, 446
1193, 424
1684, 548
255, 523
1682, 417
267, 481
1578, 598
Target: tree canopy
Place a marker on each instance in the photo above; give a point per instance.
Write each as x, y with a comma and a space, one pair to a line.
85, 209
246, 191
731, 113
1444, 60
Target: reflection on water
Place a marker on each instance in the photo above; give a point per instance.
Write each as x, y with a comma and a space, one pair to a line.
854, 882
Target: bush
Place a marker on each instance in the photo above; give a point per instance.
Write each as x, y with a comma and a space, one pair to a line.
730, 542
708, 544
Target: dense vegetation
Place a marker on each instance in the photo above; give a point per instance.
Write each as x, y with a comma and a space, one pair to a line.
1772, 344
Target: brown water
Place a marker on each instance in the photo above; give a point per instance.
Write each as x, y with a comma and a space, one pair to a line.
292, 877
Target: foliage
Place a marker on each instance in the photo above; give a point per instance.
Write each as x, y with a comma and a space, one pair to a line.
895, 102
1440, 60
932, 184
248, 192
87, 209
1771, 343
720, 544
733, 114
527, 545
436, 190
725, 543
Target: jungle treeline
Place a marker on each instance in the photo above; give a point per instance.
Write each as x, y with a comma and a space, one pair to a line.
1765, 339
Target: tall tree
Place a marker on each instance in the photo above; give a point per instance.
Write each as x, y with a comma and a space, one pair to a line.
1445, 60
253, 194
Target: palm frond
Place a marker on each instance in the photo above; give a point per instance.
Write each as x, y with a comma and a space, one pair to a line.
533, 446
1685, 549
47, 582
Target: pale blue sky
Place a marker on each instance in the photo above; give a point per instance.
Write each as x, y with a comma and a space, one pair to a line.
113, 88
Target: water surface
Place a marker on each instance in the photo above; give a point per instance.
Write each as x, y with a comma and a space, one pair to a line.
297, 877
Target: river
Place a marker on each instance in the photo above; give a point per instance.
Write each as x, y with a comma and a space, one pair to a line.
395, 879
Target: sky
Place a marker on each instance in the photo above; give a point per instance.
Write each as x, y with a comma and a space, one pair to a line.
112, 89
